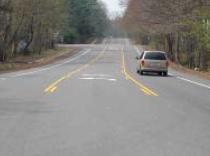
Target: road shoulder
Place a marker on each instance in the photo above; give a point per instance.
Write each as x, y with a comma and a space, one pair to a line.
34, 61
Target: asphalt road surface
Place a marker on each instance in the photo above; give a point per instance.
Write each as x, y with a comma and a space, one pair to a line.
95, 104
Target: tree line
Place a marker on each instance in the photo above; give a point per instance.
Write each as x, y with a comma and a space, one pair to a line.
32, 26
181, 28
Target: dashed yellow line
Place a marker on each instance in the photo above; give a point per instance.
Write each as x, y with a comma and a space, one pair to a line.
54, 87
146, 90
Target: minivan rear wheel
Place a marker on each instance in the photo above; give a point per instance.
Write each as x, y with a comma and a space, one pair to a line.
165, 73
141, 73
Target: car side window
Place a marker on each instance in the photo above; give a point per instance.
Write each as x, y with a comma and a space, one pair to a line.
141, 56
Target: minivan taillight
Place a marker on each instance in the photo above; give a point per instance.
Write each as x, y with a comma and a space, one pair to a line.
167, 63
142, 62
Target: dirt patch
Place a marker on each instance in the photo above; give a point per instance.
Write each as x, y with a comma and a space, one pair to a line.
32, 61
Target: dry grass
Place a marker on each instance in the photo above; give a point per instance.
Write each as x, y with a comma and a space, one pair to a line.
8, 66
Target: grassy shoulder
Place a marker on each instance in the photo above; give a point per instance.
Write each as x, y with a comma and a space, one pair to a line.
36, 60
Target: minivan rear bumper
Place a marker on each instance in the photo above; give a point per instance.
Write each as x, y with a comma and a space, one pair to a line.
154, 70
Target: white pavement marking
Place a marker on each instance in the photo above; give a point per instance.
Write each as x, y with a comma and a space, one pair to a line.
190, 81
112, 41
55, 66
96, 75
94, 41
137, 50
170, 74
104, 41
193, 82
94, 78
127, 42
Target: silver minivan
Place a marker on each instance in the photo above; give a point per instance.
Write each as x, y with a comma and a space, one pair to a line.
153, 61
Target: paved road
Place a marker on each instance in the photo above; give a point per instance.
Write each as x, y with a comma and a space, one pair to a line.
94, 104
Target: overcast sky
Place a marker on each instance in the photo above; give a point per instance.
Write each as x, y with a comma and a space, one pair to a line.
113, 6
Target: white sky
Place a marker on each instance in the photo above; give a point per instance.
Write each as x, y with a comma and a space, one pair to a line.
113, 7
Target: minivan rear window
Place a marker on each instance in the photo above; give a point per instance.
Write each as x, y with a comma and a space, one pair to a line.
155, 56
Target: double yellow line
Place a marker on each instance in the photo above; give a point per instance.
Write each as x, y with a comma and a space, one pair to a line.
53, 87
146, 90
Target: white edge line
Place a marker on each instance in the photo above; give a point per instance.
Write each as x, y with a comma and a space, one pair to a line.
94, 41
104, 42
193, 82
190, 81
127, 41
137, 50
52, 67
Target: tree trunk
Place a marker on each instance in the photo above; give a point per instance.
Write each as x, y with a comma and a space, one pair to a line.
31, 35
1, 55
170, 45
178, 49
204, 60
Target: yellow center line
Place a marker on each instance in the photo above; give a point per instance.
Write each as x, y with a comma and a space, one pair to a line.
145, 91
55, 83
128, 76
53, 87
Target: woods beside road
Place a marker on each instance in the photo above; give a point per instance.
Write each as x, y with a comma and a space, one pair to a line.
30, 27
181, 28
